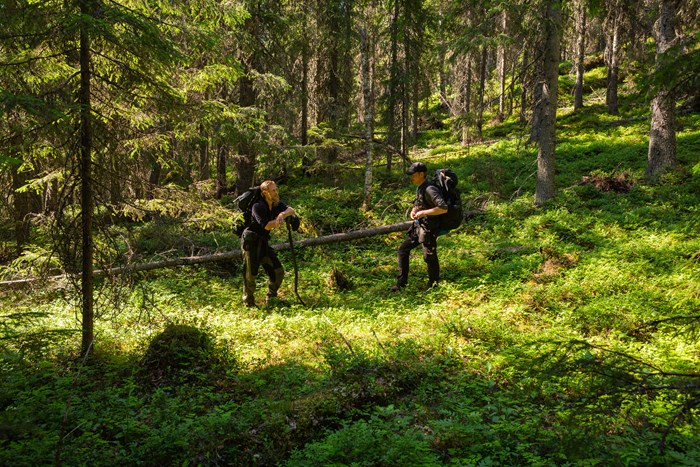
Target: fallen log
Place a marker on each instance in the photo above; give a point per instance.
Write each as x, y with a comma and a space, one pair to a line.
229, 255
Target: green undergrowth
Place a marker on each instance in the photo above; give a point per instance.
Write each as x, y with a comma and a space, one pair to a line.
560, 335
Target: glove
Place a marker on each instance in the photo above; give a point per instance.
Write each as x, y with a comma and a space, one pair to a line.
294, 222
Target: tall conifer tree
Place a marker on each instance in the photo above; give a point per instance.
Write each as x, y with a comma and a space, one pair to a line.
90, 62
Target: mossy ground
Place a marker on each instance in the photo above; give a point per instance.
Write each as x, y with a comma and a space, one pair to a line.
565, 334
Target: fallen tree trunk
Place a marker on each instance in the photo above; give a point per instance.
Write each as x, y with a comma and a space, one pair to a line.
229, 255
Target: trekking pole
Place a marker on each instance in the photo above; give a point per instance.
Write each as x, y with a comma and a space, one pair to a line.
294, 261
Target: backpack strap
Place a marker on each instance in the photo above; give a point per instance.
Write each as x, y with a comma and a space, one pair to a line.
420, 192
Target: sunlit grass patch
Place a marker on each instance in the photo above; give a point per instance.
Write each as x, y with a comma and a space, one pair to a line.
595, 78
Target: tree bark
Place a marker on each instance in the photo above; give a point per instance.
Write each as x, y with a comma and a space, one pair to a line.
405, 98
442, 77
502, 69
545, 188
482, 91
304, 136
467, 97
246, 158
580, 54
662, 136
612, 56
368, 115
221, 182
538, 101
511, 88
330, 154
415, 94
203, 166
154, 174
87, 201
306, 160
393, 88
523, 87
21, 206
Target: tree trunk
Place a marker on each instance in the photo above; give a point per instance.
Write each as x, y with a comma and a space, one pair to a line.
523, 87
467, 101
306, 158
468, 86
662, 136
482, 91
304, 131
22, 207
393, 91
538, 101
405, 98
502, 69
612, 56
441, 61
221, 156
545, 188
86, 202
443, 82
306, 41
330, 155
154, 174
414, 107
203, 168
404, 124
246, 159
443, 79
580, 55
368, 115
511, 88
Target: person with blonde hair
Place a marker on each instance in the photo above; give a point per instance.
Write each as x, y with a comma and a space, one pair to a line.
267, 213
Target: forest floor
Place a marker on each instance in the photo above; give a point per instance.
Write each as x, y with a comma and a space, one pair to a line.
559, 335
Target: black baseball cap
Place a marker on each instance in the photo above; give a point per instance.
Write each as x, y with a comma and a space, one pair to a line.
416, 167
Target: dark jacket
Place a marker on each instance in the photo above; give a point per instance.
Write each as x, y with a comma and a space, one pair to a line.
261, 215
429, 196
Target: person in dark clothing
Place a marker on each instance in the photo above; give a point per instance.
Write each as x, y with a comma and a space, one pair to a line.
267, 213
424, 230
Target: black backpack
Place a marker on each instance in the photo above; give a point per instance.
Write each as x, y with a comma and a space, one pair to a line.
446, 180
245, 203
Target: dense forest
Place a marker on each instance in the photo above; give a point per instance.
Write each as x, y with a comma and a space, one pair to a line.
564, 331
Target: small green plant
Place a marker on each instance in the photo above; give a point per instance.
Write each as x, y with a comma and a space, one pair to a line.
382, 441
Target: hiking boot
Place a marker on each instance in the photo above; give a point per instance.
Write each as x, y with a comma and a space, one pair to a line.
431, 285
249, 304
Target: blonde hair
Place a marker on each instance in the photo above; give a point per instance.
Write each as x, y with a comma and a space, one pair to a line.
274, 196
264, 186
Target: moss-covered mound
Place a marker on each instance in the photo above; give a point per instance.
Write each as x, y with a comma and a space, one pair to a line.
181, 354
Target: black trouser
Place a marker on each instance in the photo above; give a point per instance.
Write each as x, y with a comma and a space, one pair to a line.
260, 255
419, 235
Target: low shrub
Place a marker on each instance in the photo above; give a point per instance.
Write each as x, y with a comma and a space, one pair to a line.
181, 354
